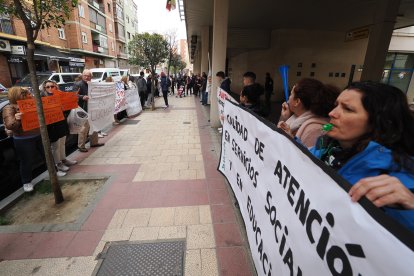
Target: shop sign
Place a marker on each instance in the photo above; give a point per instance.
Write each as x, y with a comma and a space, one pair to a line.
15, 60
76, 64
18, 50
355, 34
77, 59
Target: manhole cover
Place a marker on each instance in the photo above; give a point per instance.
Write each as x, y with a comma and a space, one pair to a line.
186, 123
161, 258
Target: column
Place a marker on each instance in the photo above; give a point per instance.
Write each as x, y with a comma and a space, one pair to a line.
205, 45
379, 39
220, 22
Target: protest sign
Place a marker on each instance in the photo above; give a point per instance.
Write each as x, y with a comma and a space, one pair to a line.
133, 103
69, 100
100, 104
52, 110
120, 102
299, 218
221, 101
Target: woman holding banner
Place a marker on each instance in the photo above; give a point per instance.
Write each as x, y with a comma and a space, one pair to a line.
28, 144
370, 144
57, 134
307, 110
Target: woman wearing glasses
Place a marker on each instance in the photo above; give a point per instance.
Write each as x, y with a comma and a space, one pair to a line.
28, 144
57, 134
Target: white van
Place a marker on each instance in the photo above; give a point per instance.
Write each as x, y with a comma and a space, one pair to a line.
64, 80
100, 74
124, 72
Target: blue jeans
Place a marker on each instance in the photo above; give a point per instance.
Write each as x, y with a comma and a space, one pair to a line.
27, 149
204, 97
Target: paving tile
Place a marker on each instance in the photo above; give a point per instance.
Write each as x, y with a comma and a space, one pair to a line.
122, 234
209, 262
219, 197
172, 232
117, 219
186, 215
222, 213
52, 244
83, 244
136, 218
233, 261
227, 234
145, 233
205, 214
200, 236
162, 217
192, 262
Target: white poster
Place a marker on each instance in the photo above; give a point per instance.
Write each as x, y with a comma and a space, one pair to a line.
221, 101
100, 104
299, 218
120, 101
133, 103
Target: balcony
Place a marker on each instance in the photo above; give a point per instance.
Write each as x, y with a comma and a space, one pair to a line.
100, 50
97, 5
122, 55
6, 26
97, 28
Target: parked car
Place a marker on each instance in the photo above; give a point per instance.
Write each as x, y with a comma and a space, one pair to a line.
9, 162
100, 74
124, 72
64, 80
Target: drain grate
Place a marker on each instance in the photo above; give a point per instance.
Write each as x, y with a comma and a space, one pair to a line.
126, 258
186, 123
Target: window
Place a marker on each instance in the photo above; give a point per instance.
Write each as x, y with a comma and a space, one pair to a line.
129, 35
110, 27
109, 8
84, 38
81, 11
127, 18
103, 41
61, 33
55, 78
93, 16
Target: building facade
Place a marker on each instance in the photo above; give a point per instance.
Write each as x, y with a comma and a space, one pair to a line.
94, 36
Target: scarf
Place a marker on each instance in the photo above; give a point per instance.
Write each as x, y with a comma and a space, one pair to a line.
295, 122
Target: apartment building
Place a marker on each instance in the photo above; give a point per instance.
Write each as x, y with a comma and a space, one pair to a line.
91, 38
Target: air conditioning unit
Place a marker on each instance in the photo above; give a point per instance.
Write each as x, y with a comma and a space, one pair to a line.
5, 45
98, 27
100, 49
101, 61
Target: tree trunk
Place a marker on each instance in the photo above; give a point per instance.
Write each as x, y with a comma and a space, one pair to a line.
169, 64
43, 129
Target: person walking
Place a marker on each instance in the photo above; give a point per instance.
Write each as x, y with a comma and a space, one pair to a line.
142, 88
165, 83
82, 88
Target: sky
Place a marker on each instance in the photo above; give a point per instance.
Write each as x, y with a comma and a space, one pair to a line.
154, 17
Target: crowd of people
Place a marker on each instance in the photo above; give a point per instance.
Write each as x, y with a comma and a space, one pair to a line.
369, 141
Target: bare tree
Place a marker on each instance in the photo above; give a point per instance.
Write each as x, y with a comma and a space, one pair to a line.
171, 37
37, 15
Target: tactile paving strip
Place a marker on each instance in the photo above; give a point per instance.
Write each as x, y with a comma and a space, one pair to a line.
161, 258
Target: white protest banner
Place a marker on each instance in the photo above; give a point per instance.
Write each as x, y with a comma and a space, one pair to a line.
299, 218
100, 104
133, 103
120, 102
221, 101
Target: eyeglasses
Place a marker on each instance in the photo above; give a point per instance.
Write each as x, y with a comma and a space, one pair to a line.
50, 86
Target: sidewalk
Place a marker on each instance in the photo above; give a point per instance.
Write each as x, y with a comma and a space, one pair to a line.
164, 184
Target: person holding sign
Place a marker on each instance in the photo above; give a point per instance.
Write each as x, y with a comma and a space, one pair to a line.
371, 145
307, 110
28, 144
82, 88
57, 134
